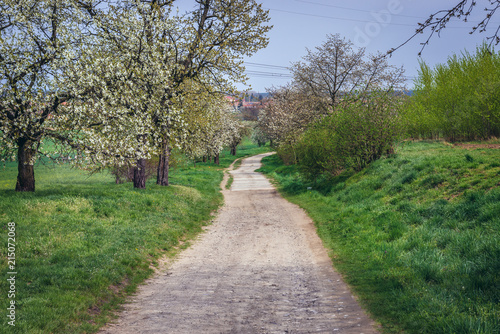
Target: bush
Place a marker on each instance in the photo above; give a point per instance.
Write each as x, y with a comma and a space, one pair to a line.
355, 134
317, 149
287, 150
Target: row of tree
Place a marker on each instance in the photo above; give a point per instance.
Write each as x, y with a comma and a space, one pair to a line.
117, 82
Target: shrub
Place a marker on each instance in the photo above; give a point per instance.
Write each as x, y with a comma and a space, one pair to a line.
316, 150
287, 150
360, 131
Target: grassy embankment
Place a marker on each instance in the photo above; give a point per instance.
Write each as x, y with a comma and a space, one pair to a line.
83, 243
417, 235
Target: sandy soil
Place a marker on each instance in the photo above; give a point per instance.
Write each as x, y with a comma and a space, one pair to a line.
260, 268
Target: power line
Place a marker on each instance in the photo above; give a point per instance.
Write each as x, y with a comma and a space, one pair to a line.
368, 11
269, 74
355, 9
268, 66
274, 75
344, 19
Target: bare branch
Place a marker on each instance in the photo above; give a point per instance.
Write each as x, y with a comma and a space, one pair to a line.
439, 20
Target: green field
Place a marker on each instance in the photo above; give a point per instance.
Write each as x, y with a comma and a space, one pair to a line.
417, 234
83, 242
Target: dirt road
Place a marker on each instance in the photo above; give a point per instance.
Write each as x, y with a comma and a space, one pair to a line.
260, 268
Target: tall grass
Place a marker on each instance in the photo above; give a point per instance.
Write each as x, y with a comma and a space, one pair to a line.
416, 235
83, 242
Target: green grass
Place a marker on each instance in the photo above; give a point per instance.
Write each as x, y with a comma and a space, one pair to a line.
417, 235
83, 243
229, 182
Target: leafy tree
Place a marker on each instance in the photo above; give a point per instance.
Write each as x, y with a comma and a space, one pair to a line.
335, 83
208, 132
236, 131
258, 136
126, 78
250, 114
106, 78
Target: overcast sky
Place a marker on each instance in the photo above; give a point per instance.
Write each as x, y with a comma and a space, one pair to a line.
378, 25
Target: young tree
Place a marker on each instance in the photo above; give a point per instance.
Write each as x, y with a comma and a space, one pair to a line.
330, 78
287, 116
352, 136
457, 100
258, 136
337, 68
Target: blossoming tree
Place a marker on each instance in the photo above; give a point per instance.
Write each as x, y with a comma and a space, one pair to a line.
105, 78
35, 37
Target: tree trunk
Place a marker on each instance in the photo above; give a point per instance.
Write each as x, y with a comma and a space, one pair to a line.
204, 158
162, 171
26, 171
140, 174
233, 150
216, 159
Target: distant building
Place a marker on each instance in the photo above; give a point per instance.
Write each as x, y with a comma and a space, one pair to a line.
253, 105
245, 102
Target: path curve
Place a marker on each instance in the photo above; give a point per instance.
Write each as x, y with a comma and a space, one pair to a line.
260, 268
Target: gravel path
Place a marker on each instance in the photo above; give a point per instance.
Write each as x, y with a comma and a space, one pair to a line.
260, 268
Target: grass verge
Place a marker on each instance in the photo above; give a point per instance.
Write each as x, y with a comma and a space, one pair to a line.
416, 235
229, 182
84, 243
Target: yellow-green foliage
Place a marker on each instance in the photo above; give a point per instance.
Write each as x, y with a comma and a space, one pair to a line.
352, 136
459, 100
